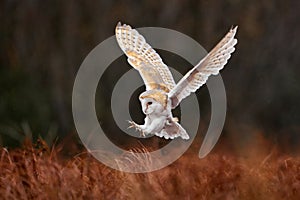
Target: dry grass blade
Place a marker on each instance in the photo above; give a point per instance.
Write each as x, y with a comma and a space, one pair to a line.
39, 172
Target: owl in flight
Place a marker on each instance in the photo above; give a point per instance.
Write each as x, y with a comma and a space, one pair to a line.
162, 93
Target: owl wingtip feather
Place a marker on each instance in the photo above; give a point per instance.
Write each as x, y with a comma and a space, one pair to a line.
119, 24
234, 28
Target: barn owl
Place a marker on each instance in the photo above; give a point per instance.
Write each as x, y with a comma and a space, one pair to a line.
162, 94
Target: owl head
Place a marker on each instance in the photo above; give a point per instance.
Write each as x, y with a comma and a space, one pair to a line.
153, 101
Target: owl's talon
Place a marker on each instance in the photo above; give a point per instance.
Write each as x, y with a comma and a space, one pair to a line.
137, 127
132, 125
142, 134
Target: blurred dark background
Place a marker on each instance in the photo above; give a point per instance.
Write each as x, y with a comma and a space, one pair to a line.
44, 42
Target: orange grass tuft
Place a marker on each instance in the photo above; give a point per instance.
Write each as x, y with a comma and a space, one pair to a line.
38, 172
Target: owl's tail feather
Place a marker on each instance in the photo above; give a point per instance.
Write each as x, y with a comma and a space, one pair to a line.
173, 130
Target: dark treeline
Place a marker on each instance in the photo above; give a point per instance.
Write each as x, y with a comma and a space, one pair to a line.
42, 44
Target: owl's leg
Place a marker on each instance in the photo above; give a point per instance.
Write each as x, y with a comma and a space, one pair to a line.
137, 127
171, 119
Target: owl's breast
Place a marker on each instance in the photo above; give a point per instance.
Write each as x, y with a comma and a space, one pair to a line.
157, 123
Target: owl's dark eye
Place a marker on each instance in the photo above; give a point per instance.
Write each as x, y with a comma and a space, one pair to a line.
149, 103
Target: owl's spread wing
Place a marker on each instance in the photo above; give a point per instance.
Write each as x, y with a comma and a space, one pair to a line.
144, 58
211, 64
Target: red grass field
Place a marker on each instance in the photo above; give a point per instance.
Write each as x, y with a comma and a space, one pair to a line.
39, 172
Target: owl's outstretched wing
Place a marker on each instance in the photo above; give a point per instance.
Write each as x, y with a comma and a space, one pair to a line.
211, 64
141, 56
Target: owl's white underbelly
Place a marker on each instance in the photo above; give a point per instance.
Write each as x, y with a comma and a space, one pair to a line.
156, 124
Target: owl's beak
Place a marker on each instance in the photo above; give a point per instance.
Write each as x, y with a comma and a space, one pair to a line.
145, 111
